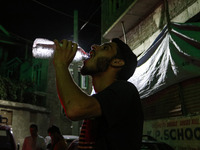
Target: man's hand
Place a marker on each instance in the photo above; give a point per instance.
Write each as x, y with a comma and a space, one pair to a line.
64, 52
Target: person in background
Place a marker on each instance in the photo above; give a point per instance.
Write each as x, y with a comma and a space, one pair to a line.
57, 140
113, 116
34, 141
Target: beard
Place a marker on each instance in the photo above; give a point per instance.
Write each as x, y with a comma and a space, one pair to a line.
102, 65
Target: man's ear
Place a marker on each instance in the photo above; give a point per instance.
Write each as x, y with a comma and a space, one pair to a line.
117, 62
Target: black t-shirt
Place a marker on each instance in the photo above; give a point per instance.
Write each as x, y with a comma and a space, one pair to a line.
120, 126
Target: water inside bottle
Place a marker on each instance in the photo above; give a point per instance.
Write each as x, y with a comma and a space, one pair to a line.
44, 48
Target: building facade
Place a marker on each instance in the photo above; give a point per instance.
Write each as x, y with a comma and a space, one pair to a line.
171, 114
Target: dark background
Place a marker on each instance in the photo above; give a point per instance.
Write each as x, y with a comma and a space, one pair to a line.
52, 19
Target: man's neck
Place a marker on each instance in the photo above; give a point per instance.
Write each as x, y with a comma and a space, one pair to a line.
102, 81
34, 136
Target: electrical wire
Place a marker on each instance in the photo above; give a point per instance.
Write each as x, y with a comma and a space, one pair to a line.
70, 16
90, 18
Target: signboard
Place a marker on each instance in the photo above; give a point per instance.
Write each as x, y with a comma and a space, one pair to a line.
181, 133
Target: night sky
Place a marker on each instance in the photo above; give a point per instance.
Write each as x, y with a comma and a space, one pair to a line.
52, 19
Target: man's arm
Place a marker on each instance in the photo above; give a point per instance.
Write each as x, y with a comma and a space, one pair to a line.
77, 104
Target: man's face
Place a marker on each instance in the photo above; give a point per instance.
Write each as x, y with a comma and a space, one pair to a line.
33, 132
100, 58
54, 138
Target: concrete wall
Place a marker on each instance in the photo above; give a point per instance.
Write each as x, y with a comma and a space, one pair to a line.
142, 36
21, 115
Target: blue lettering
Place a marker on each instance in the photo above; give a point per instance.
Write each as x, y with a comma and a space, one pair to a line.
157, 134
197, 133
173, 136
188, 133
166, 134
180, 134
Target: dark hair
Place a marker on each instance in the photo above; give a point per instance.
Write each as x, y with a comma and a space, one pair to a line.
54, 129
124, 52
34, 126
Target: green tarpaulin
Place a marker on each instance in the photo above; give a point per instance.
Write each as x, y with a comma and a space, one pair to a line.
173, 57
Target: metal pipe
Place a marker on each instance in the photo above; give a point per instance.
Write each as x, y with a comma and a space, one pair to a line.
124, 33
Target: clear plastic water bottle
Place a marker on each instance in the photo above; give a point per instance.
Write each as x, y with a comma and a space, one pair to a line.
44, 48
